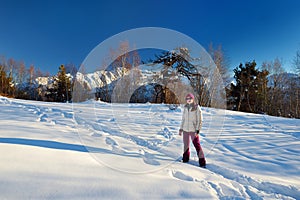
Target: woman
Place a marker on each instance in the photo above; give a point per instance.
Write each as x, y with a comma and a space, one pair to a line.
190, 127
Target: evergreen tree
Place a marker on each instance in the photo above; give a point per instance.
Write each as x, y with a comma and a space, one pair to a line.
6, 86
63, 85
60, 91
179, 61
249, 93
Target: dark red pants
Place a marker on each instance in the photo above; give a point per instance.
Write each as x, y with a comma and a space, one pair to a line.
186, 145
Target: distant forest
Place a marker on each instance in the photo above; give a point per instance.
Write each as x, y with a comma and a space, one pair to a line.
266, 89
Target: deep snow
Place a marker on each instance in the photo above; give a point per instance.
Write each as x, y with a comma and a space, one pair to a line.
95, 150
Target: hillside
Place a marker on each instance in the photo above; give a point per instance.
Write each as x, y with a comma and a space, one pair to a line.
95, 150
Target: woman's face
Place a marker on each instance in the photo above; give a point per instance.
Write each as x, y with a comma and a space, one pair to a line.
189, 100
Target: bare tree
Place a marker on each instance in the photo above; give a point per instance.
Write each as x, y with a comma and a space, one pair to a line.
296, 63
120, 58
81, 90
222, 62
39, 73
21, 73
127, 63
31, 74
277, 83
295, 85
71, 69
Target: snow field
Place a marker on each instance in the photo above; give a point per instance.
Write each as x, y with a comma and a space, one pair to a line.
96, 150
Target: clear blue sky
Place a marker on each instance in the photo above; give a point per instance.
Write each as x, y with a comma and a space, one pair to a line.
49, 33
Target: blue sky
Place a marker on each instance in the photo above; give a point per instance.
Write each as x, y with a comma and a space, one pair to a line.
49, 33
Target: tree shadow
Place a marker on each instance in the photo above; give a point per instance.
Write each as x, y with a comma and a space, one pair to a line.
150, 159
46, 144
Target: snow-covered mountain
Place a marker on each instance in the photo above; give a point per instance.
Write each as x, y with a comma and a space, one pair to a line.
106, 77
95, 150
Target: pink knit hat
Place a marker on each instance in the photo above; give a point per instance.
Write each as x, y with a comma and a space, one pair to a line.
190, 95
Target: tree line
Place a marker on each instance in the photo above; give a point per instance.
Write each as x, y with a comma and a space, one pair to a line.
264, 89
19, 81
267, 90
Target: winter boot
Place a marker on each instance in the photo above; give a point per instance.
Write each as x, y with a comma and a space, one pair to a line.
202, 162
186, 156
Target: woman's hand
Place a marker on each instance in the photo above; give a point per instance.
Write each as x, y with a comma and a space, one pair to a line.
197, 133
180, 132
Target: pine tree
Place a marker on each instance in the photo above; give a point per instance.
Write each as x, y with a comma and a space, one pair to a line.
6, 86
63, 85
2, 80
249, 94
61, 89
179, 61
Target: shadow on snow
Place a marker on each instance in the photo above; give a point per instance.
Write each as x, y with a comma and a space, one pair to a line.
45, 144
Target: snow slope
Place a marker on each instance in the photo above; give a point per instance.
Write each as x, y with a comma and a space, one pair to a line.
95, 150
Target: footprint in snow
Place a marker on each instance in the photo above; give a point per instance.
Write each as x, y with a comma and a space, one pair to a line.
181, 176
149, 159
111, 142
42, 118
114, 145
68, 115
264, 186
96, 135
111, 120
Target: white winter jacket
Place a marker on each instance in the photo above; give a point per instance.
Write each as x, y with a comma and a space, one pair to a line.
191, 118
